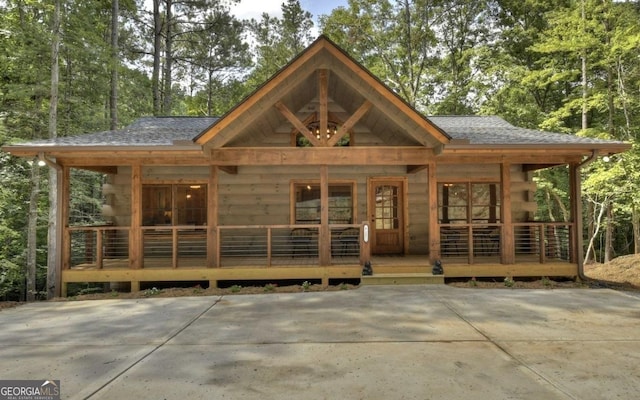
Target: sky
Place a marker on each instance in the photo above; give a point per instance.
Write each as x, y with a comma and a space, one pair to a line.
254, 8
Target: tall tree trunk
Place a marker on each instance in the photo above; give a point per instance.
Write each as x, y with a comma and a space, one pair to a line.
115, 63
32, 230
608, 233
635, 222
585, 87
591, 231
597, 222
209, 93
53, 245
168, 59
623, 98
157, 50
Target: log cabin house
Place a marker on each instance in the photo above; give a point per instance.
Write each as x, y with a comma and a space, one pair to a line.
319, 171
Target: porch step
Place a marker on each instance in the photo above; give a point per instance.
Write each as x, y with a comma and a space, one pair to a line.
402, 279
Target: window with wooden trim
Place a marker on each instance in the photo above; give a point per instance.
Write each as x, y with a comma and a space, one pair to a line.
174, 204
306, 204
468, 202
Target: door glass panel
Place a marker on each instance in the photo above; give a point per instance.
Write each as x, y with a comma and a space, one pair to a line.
386, 210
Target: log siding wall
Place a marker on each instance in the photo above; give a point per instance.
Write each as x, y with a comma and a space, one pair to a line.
260, 195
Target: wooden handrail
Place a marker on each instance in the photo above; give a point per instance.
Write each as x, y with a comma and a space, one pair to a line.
272, 235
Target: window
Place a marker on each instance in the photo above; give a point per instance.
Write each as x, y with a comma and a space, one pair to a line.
174, 204
387, 207
307, 203
468, 202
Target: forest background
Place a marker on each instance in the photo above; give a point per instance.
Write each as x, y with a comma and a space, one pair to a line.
69, 67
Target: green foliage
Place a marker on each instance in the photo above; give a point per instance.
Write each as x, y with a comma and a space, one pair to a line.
151, 292
521, 60
278, 40
427, 52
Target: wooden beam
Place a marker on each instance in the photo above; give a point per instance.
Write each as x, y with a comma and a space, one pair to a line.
513, 270
434, 227
212, 218
351, 122
324, 246
575, 188
536, 167
106, 169
513, 157
299, 125
229, 169
508, 243
299, 272
135, 235
321, 156
323, 94
412, 169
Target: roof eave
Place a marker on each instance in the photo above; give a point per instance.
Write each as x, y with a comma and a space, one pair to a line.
27, 151
600, 148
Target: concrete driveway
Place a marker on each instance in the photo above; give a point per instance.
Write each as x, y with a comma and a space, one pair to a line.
384, 342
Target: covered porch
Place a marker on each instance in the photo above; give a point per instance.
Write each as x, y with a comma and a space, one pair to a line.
279, 252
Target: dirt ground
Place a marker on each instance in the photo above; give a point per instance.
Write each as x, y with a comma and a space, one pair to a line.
623, 273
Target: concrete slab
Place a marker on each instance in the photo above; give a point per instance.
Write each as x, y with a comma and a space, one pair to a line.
377, 342
385, 313
88, 343
332, 371
580, 314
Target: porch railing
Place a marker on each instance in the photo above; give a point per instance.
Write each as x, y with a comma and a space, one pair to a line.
533, 242
186, 246
474, 243
95, 245
283, 245
286, 245
174, 246
544, 241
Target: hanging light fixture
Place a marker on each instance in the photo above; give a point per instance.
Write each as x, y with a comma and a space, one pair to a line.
314, 127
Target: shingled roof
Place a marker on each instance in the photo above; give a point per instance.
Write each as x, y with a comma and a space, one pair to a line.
147, 131
492, 130
167, 131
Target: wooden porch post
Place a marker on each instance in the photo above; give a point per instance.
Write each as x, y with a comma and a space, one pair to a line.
575, 192
135, 240
508, 244
434, 228
64, 202
325, 233
212, 219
